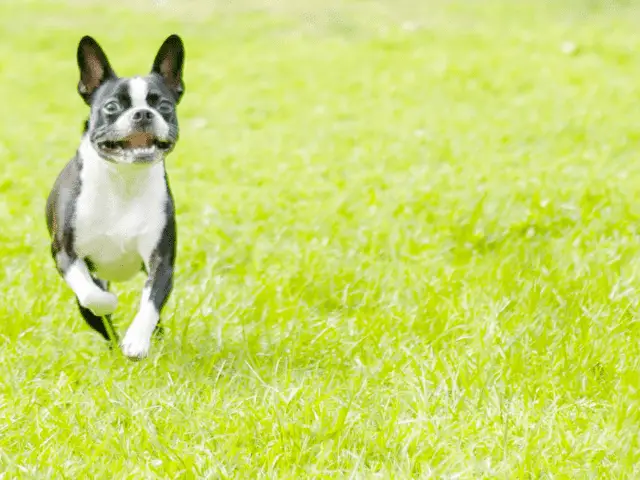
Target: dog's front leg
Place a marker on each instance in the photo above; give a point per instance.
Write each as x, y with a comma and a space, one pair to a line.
137, 340
76, 274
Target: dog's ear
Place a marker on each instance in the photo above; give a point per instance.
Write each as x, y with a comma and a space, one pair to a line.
94, 67
168, 64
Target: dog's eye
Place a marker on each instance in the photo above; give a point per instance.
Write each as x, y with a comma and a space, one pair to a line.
165, 107
111, 108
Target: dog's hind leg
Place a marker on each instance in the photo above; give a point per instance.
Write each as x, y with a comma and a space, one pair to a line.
103, 324
97, 323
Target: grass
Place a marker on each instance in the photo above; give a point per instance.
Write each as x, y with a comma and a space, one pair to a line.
409, 244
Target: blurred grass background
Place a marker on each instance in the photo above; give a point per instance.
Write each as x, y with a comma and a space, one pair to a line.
407, 244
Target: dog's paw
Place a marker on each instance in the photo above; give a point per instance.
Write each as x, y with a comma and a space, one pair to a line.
135, 344
99, 302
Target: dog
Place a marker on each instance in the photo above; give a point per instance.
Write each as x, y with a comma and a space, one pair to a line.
110, 213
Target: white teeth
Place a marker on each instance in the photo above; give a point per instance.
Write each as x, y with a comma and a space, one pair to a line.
143, 151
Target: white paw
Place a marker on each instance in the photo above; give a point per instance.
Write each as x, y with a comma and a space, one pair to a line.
99, 302
135, 344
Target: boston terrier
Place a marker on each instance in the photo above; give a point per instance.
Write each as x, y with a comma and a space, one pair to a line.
110, 213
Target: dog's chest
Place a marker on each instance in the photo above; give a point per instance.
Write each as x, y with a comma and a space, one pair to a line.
119, 221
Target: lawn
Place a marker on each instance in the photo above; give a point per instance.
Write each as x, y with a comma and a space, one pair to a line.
409, 244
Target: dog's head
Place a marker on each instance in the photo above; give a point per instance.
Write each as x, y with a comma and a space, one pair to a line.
132, 120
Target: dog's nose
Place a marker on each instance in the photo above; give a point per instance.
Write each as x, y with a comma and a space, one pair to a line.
142, 116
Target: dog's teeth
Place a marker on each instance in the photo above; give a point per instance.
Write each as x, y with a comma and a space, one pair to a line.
143, 150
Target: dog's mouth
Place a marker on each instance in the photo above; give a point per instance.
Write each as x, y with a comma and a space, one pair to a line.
139, 144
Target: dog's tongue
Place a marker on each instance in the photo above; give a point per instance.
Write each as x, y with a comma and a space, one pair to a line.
139, 140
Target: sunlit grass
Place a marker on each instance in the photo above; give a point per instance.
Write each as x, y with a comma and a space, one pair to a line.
408, 245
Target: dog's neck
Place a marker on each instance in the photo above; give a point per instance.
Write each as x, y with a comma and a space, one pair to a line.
122, 179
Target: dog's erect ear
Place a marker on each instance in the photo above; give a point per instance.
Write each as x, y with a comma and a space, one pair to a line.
168, 64
94, 67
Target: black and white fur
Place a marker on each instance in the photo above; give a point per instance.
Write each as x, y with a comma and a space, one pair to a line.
110, 213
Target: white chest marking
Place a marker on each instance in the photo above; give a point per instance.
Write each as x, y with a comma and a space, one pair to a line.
120, 215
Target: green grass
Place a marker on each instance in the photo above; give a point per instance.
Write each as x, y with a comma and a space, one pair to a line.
409, 244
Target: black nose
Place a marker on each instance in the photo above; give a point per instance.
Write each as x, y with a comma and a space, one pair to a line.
142, 116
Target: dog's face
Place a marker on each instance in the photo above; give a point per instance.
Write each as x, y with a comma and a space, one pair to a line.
132, 120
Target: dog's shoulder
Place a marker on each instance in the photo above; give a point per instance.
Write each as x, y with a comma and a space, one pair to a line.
62, 195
